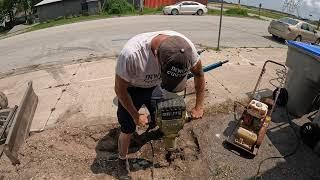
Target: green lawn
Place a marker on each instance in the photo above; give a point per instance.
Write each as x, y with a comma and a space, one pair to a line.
267, 13
62, 21
253, 10
232, 13
3, 32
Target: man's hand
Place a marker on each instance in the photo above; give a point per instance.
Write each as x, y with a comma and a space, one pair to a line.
199, 82
196, 113
141, 120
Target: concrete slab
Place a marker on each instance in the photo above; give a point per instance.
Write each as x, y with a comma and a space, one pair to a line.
89, 86
46, 78
96, 71
239, 76
47, 100
89, 94
48, 85
91, 100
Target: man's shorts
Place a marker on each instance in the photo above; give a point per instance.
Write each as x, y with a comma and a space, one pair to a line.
139, 97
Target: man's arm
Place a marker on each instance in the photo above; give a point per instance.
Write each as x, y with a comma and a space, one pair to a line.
199, 83
120, 88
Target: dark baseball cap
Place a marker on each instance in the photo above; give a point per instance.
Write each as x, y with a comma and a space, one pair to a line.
175, 56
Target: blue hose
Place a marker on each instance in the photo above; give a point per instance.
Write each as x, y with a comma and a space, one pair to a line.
210, 67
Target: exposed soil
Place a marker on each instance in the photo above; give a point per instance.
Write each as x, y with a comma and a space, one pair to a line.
82, 150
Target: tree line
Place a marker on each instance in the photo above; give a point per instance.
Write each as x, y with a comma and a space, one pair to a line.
9, 9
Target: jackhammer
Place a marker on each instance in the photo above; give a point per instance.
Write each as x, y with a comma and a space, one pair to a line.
171, 112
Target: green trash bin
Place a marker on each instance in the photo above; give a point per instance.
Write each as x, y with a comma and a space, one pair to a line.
303, 78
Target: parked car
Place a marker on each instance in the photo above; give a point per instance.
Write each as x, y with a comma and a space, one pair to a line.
186, 7
293, 29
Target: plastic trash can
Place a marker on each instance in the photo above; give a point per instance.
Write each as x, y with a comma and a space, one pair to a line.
303, 78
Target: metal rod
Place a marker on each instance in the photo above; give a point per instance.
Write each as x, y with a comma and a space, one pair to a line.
210, 67
260, 5
152, 167
261, 74
221, 12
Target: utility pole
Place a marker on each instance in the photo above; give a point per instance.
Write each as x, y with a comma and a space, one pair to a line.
239, 2
260, 6
219, 36
141, 6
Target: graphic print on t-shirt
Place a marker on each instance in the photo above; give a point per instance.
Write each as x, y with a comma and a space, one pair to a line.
152, 78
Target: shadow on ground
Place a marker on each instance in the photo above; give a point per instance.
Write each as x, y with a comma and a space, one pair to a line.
275, 39
263, 93
107, 148
300, 161
297, 161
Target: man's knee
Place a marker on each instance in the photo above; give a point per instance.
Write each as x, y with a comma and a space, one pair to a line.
127, 125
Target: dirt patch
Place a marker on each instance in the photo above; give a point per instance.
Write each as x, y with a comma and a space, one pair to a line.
88, 150
62, 152
79, 149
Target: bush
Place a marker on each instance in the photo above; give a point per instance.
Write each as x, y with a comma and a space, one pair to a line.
150, 11
237, 11
118, 7
160, 8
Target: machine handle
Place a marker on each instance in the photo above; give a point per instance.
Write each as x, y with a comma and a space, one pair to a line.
209, 67
201, 51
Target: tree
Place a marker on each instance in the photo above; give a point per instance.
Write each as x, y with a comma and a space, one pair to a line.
8, 8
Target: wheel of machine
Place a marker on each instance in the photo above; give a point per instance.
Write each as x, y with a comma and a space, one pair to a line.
3, 101
174, 12
274, 36
309, 133
318, 41
299, 38
200, 12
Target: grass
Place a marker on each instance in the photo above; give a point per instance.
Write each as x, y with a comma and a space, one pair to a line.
2, 33
152, 10
254, 10
237, 12
62, 21
233, 12
69, 20
267, 13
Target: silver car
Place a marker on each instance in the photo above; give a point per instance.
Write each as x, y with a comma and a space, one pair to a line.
186, 7
293, 29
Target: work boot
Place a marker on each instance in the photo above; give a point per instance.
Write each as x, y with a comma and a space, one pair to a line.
123, 169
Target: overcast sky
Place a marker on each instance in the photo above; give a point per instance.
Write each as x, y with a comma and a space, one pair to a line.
307, 6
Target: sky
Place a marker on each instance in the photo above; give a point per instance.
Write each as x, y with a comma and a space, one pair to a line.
307, 6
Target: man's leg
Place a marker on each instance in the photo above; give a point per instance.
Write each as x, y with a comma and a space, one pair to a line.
123, 145
128, 127
123, 164
151, 106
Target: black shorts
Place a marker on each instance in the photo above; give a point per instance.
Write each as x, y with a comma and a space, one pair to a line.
139, 96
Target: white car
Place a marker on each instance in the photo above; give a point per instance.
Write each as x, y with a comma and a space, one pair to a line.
186, 7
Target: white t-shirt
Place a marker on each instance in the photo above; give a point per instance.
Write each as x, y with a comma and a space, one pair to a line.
137, 64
